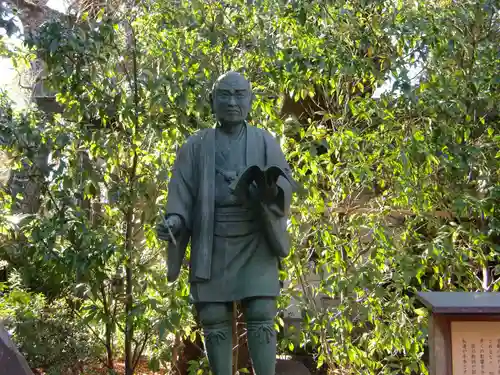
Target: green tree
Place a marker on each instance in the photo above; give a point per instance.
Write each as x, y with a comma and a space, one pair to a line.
402, 189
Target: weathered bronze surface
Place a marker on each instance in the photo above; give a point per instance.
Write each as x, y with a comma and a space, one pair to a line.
237, 237
11, 361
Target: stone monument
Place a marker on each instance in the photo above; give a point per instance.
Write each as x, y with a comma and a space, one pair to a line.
229, 196
11, 361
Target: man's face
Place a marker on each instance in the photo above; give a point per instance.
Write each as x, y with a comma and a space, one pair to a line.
232, 99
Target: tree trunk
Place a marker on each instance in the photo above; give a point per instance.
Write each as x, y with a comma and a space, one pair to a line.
129, 301
241, 355
235, 338
130, 217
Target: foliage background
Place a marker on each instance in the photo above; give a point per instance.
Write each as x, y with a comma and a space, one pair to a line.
403, 188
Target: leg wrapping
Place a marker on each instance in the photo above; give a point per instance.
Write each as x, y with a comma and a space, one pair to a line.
263, 331
217, 333
260, 313
216, 322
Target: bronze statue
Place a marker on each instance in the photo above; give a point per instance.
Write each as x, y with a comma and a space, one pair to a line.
236, 223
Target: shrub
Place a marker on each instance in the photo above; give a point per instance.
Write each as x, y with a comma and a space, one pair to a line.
47, 334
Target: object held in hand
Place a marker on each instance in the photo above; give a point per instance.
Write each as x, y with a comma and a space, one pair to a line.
172, 238
265, 179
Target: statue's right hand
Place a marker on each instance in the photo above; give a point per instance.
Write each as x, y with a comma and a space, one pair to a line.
173, 222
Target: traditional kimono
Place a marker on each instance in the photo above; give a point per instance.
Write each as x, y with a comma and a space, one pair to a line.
233, 255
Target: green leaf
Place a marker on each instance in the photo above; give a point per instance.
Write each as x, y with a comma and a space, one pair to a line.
418, 135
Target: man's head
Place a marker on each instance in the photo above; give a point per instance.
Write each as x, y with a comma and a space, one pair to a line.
231, 98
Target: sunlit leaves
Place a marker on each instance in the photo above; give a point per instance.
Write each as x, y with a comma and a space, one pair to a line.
401, 191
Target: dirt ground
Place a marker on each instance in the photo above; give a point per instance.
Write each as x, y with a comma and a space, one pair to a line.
142, 369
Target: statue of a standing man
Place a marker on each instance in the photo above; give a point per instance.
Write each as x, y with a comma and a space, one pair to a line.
236, 241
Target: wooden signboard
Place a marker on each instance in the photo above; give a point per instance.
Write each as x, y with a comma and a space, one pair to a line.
464, 333
475, 348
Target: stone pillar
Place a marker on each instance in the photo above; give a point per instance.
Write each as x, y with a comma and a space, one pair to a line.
11, 361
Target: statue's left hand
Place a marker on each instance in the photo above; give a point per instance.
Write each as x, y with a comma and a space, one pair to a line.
264, 192
271, 191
